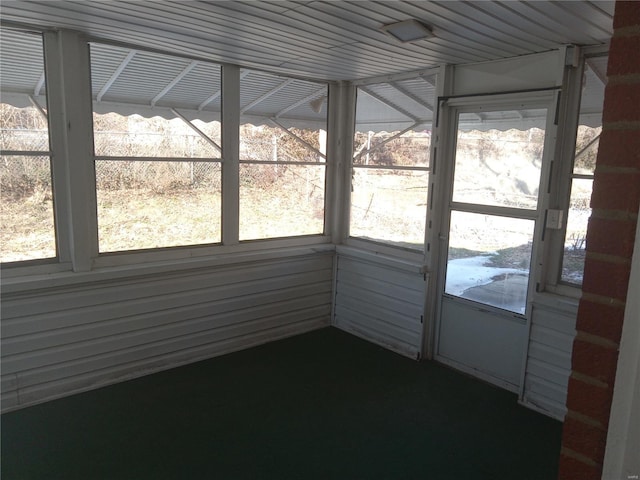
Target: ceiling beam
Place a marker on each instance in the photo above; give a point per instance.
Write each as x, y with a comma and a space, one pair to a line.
115, 75
174, 82
39, 85
412, 96
302, 101
263, 97
386, 102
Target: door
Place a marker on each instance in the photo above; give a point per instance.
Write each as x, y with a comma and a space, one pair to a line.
496, 166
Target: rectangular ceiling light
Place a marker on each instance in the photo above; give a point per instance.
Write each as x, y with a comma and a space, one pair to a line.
408, 31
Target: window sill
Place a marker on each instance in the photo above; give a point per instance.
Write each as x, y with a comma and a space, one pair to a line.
29, 281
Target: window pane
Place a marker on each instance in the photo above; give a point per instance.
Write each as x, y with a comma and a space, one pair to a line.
27, 226
410, 149
389, 206
489, 259
587, 142
393, 130
499, 168
134, 118
136, 136
283, 121
23, 129
27, 221
577, 219
265, 143
157, 204
174, 113
281, 201
586, 152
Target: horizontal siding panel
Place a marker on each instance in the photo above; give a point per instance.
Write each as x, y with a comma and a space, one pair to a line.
8, 383
94, 379
543, 388
545, 405
219, 331
63, 352
116, 307
549, 358
387, 274
551, 338
380, 287
380, 303
61, 299
73, 338
555, 320
550, 355
556, 375
8, 400
29, 344
347, 316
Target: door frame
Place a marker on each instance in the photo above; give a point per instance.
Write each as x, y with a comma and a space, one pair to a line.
442, 187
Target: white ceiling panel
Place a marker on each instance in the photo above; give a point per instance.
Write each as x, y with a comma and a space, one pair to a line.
327, 40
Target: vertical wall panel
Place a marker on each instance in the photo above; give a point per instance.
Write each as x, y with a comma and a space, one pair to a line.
381, 301
61, 340
549, 359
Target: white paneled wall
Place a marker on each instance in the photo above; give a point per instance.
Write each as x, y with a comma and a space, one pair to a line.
73, 336
549, 358
380, 300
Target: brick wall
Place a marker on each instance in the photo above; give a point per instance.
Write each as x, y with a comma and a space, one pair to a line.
610, 240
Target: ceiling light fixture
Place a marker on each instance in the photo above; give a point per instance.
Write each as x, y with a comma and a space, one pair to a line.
408, 31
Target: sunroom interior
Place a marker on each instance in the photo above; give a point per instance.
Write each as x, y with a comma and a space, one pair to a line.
185, 180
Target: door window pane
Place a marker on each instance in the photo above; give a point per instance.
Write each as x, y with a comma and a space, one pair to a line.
501, 168
489, 259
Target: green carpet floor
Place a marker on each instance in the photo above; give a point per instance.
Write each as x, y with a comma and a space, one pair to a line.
323, 405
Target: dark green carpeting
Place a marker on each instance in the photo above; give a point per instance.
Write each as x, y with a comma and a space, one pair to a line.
323, 405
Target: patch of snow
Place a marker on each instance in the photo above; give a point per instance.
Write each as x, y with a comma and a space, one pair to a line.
464, 273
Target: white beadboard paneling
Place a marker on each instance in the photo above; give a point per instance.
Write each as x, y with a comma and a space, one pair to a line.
336, 40
380, 300
61, 340
549, 358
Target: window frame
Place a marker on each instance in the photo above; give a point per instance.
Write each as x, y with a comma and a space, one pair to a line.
560, 189
324, 234
45, 264
379, 246
69, 99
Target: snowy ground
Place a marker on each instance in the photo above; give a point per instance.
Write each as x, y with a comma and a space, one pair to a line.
504, 287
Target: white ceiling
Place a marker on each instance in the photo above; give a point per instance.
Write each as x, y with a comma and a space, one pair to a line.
328, 40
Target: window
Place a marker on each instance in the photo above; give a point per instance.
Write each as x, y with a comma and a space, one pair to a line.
391, 162
27, 225
282, 156
157, 149
587, 139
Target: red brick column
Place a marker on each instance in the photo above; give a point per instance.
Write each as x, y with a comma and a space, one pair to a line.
610, 241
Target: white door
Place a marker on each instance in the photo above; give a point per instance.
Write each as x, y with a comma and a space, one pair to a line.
492, 218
